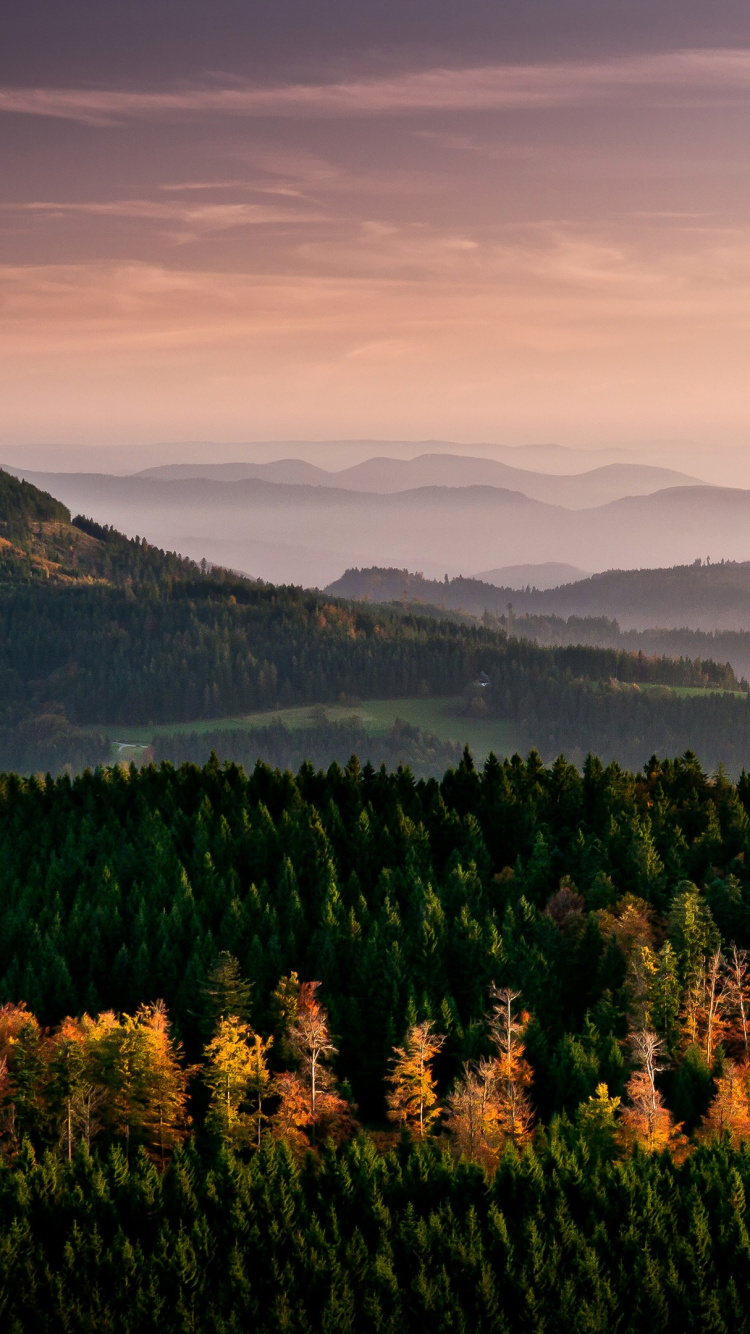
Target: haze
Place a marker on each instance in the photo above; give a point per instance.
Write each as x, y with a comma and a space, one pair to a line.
257, 223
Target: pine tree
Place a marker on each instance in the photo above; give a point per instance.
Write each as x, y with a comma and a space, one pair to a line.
413, 1097
225, 992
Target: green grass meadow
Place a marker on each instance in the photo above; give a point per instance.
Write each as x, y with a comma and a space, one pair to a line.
376, 715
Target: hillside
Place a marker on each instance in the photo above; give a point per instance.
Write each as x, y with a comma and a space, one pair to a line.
124, 634
700, 595
39, 542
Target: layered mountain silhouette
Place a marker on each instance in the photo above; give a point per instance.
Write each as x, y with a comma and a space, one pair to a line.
297, 532
388, 475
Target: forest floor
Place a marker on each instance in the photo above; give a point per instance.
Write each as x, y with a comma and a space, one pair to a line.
376, 716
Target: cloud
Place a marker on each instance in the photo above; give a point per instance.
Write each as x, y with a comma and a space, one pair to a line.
692, 75
193, 220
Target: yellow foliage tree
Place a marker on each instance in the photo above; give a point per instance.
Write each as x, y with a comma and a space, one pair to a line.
597, 1120
236, 1070
165, 1119
413, 1097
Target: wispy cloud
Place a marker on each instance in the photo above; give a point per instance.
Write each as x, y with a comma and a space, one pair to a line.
695, 75
191, 220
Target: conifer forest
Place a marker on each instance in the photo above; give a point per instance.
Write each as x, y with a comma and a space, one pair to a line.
350, 1050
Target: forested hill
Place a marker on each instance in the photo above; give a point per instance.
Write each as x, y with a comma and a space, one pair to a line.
700, 596
118, 632
40, 543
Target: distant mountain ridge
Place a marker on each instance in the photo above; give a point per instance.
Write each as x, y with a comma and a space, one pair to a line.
701, 596
297, 533
386, 476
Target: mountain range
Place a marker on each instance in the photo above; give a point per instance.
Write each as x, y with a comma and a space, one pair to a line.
386, 476
308, 534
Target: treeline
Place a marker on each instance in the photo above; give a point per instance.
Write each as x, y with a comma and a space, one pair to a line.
700, 594
623, 723
123, 560
720, 646
22, 504
48, 743
320, 743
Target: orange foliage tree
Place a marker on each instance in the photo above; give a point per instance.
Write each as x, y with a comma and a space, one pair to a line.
513, 1074
646, 1121
729, 1111
413, 1097
472, 1113
71, 1092
22, 1073
293, 1116
308, 1039
165, 1119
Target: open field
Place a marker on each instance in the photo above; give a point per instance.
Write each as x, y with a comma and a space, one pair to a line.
378, 715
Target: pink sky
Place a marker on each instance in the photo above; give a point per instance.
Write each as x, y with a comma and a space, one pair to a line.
550, 247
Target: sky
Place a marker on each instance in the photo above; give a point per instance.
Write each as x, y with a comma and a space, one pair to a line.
488, 222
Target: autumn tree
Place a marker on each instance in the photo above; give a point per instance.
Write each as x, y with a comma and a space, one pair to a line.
413, 1097
69, 1079
293, 1117
472, 1113
738, 1001
597, 1121
513, 1074
235, 1068
22, 1073
308, 1039
137, 1064
729, 1112
646, 1120
705, 1004
715, 998
165, 1118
